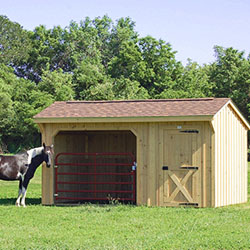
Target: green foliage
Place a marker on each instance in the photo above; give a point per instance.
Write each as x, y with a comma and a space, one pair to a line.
125, 88
101, 60
14, 42
87, 77
100, 91
127, 63
161, 67
57, 85
6, 111
192, 83
20, 101
230, 76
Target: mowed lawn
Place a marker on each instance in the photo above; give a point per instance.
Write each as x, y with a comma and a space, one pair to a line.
117, 227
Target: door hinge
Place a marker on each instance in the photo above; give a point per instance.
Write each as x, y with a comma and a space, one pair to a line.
165, 168
190, 131
189, 204
189, 168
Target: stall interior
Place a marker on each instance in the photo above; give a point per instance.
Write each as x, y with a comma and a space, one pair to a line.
95, 166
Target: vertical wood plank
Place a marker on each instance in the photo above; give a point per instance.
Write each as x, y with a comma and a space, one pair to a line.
151, 183
139, 170
206, 176
48, 173
213, 173
161, 173
157, 166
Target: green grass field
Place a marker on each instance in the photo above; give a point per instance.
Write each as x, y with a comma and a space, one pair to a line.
117, 227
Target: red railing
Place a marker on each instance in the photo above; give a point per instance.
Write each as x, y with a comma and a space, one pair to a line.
95, 176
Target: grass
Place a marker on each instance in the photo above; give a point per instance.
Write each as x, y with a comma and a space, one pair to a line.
117, 227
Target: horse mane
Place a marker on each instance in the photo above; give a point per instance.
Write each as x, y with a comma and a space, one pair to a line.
32, 153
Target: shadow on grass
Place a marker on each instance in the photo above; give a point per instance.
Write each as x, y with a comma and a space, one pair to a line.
12, 201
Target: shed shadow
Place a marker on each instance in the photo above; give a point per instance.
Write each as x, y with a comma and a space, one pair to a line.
12, 201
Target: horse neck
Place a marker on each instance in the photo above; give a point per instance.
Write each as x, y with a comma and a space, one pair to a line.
32, 153
37, 161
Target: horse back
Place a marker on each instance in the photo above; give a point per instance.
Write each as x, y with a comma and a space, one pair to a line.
12, 166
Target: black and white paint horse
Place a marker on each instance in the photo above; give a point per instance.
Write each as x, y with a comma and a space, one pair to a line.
23, 166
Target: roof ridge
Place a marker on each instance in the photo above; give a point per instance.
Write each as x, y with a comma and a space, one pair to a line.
146, 100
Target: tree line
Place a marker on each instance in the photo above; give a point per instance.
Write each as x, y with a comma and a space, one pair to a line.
101, 59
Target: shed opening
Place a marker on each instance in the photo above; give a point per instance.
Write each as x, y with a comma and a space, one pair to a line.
95, 166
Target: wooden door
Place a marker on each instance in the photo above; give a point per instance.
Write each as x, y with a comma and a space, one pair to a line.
181, 167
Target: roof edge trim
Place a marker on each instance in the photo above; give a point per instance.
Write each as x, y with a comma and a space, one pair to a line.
124, 119
238, 112
144, 100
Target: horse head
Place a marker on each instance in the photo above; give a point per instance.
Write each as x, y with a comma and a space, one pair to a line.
48, 154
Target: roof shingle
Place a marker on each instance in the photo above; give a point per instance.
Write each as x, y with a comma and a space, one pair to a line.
134, 108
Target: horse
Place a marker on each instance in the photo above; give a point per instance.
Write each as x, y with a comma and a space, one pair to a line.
22, 167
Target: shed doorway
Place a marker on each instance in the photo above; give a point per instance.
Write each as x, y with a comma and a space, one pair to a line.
95, 166
181, 170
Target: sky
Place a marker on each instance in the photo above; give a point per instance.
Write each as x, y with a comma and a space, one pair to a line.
192, 27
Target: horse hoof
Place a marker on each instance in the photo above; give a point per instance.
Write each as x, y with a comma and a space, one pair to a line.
17, 204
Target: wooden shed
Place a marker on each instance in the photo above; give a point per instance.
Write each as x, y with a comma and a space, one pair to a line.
186, 152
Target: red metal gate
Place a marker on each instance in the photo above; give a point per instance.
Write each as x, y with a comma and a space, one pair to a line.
95, 177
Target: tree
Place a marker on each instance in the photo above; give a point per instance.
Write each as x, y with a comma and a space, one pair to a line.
161, 69
230, 77
101, 60
7, 112
125, 89
86, 77
14, 42
57, 85
20, 101
124, 54
128, 63
191, 83
103, 27
50, 51
122, 32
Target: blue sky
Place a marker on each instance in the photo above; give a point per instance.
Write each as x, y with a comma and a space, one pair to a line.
192, 27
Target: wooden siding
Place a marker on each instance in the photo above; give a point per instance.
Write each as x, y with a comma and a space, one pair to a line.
230, 162
148, 147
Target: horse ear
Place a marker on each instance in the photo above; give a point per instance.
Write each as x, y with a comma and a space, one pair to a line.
44, 145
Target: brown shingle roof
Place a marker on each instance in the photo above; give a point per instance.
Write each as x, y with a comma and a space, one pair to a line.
134, 108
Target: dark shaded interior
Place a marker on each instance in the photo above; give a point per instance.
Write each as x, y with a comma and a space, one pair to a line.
95, 166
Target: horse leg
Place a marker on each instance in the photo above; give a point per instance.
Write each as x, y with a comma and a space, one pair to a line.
24, 190
19, 193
